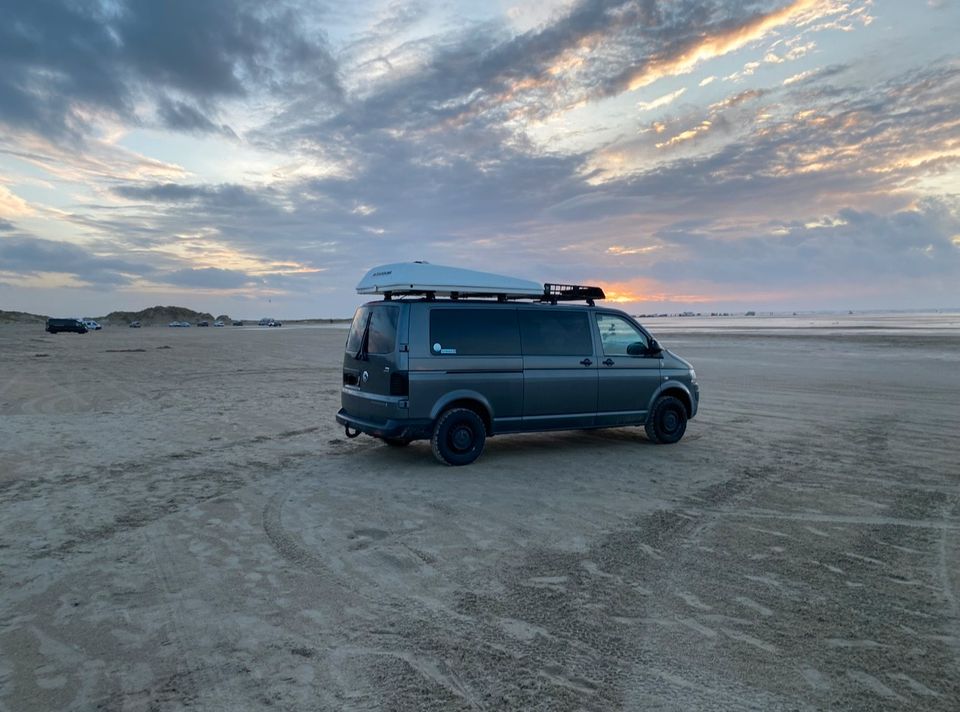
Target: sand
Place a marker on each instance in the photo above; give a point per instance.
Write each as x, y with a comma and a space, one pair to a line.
185, 526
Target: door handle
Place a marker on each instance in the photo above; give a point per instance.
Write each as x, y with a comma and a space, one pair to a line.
608, 362
586, 362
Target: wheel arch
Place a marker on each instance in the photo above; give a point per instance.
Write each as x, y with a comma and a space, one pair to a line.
678, 391
465, 399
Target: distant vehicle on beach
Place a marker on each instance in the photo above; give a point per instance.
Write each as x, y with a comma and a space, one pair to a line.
76, 326
218, 323
238, 323
203, 323
270, 322
179, 323
134, 325
91, 325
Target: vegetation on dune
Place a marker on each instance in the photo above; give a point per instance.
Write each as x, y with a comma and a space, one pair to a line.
156, 316
17, 317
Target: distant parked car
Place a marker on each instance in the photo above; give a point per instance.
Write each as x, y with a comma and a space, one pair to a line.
134, 324
238, 323
179, 323
203, 323
91, 325
270, 322
218, 323
76, 326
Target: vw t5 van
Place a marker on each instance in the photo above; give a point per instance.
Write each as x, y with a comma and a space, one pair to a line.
455, 356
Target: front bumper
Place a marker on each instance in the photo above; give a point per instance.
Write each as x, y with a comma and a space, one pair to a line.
390, 428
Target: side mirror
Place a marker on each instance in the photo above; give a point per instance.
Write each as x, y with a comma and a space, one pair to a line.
637, 348
654, 349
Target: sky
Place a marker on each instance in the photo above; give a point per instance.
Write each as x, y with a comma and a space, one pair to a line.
252, 158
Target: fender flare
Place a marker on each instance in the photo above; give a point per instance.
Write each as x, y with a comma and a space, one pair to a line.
671, 385
462, 395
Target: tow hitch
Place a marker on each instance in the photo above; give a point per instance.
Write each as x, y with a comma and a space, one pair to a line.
355, 433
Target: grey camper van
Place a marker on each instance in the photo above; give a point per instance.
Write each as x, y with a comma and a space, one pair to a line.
455, 356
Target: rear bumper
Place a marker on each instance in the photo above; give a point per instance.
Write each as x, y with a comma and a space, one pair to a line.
390, 428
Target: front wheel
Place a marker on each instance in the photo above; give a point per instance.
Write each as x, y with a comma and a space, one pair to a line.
667, 421
458, 437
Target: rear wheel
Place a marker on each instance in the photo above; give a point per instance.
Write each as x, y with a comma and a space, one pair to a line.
667, 421
458, 437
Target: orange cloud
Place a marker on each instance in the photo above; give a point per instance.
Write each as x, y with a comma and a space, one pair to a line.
13, 206
685, 135
726, 42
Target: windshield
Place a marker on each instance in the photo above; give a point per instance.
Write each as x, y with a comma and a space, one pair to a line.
382, 336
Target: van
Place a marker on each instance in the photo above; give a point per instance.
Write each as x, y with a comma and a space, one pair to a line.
447, 357
55, 326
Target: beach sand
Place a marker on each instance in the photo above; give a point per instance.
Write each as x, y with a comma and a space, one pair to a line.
184, 525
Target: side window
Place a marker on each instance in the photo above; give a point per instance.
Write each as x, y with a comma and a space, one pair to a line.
356, 329
383, 330
474, 332
554, 332
616, 334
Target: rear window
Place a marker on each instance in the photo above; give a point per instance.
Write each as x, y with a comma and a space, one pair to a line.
549, 332
382, 321
474, 332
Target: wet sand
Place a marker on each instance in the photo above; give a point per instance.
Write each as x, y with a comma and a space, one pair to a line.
183, 525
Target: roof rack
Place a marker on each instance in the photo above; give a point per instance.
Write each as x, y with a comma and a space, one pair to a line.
554, 293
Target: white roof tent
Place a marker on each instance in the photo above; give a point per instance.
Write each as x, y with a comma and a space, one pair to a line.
432, 281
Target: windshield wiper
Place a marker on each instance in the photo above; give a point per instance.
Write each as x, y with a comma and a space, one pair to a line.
361, 354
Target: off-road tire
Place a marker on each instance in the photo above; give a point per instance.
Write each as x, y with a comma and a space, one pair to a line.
667, 421
396, 442
458, 437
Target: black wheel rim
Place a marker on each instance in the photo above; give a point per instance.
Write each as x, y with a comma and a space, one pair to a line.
670, 421
461, 438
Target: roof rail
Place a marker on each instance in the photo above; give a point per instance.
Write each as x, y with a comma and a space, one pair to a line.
554, 293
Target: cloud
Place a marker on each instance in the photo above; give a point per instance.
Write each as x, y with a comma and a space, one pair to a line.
12, 205
471, 195
180, 116
66, 66
208, 278
859, 247
23, 255
660, 101
722, 40
225, 196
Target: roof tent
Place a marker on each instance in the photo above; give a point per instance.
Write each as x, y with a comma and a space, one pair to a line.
431, 281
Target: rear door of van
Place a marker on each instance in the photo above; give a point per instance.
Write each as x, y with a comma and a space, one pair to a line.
373, 375
559, 368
